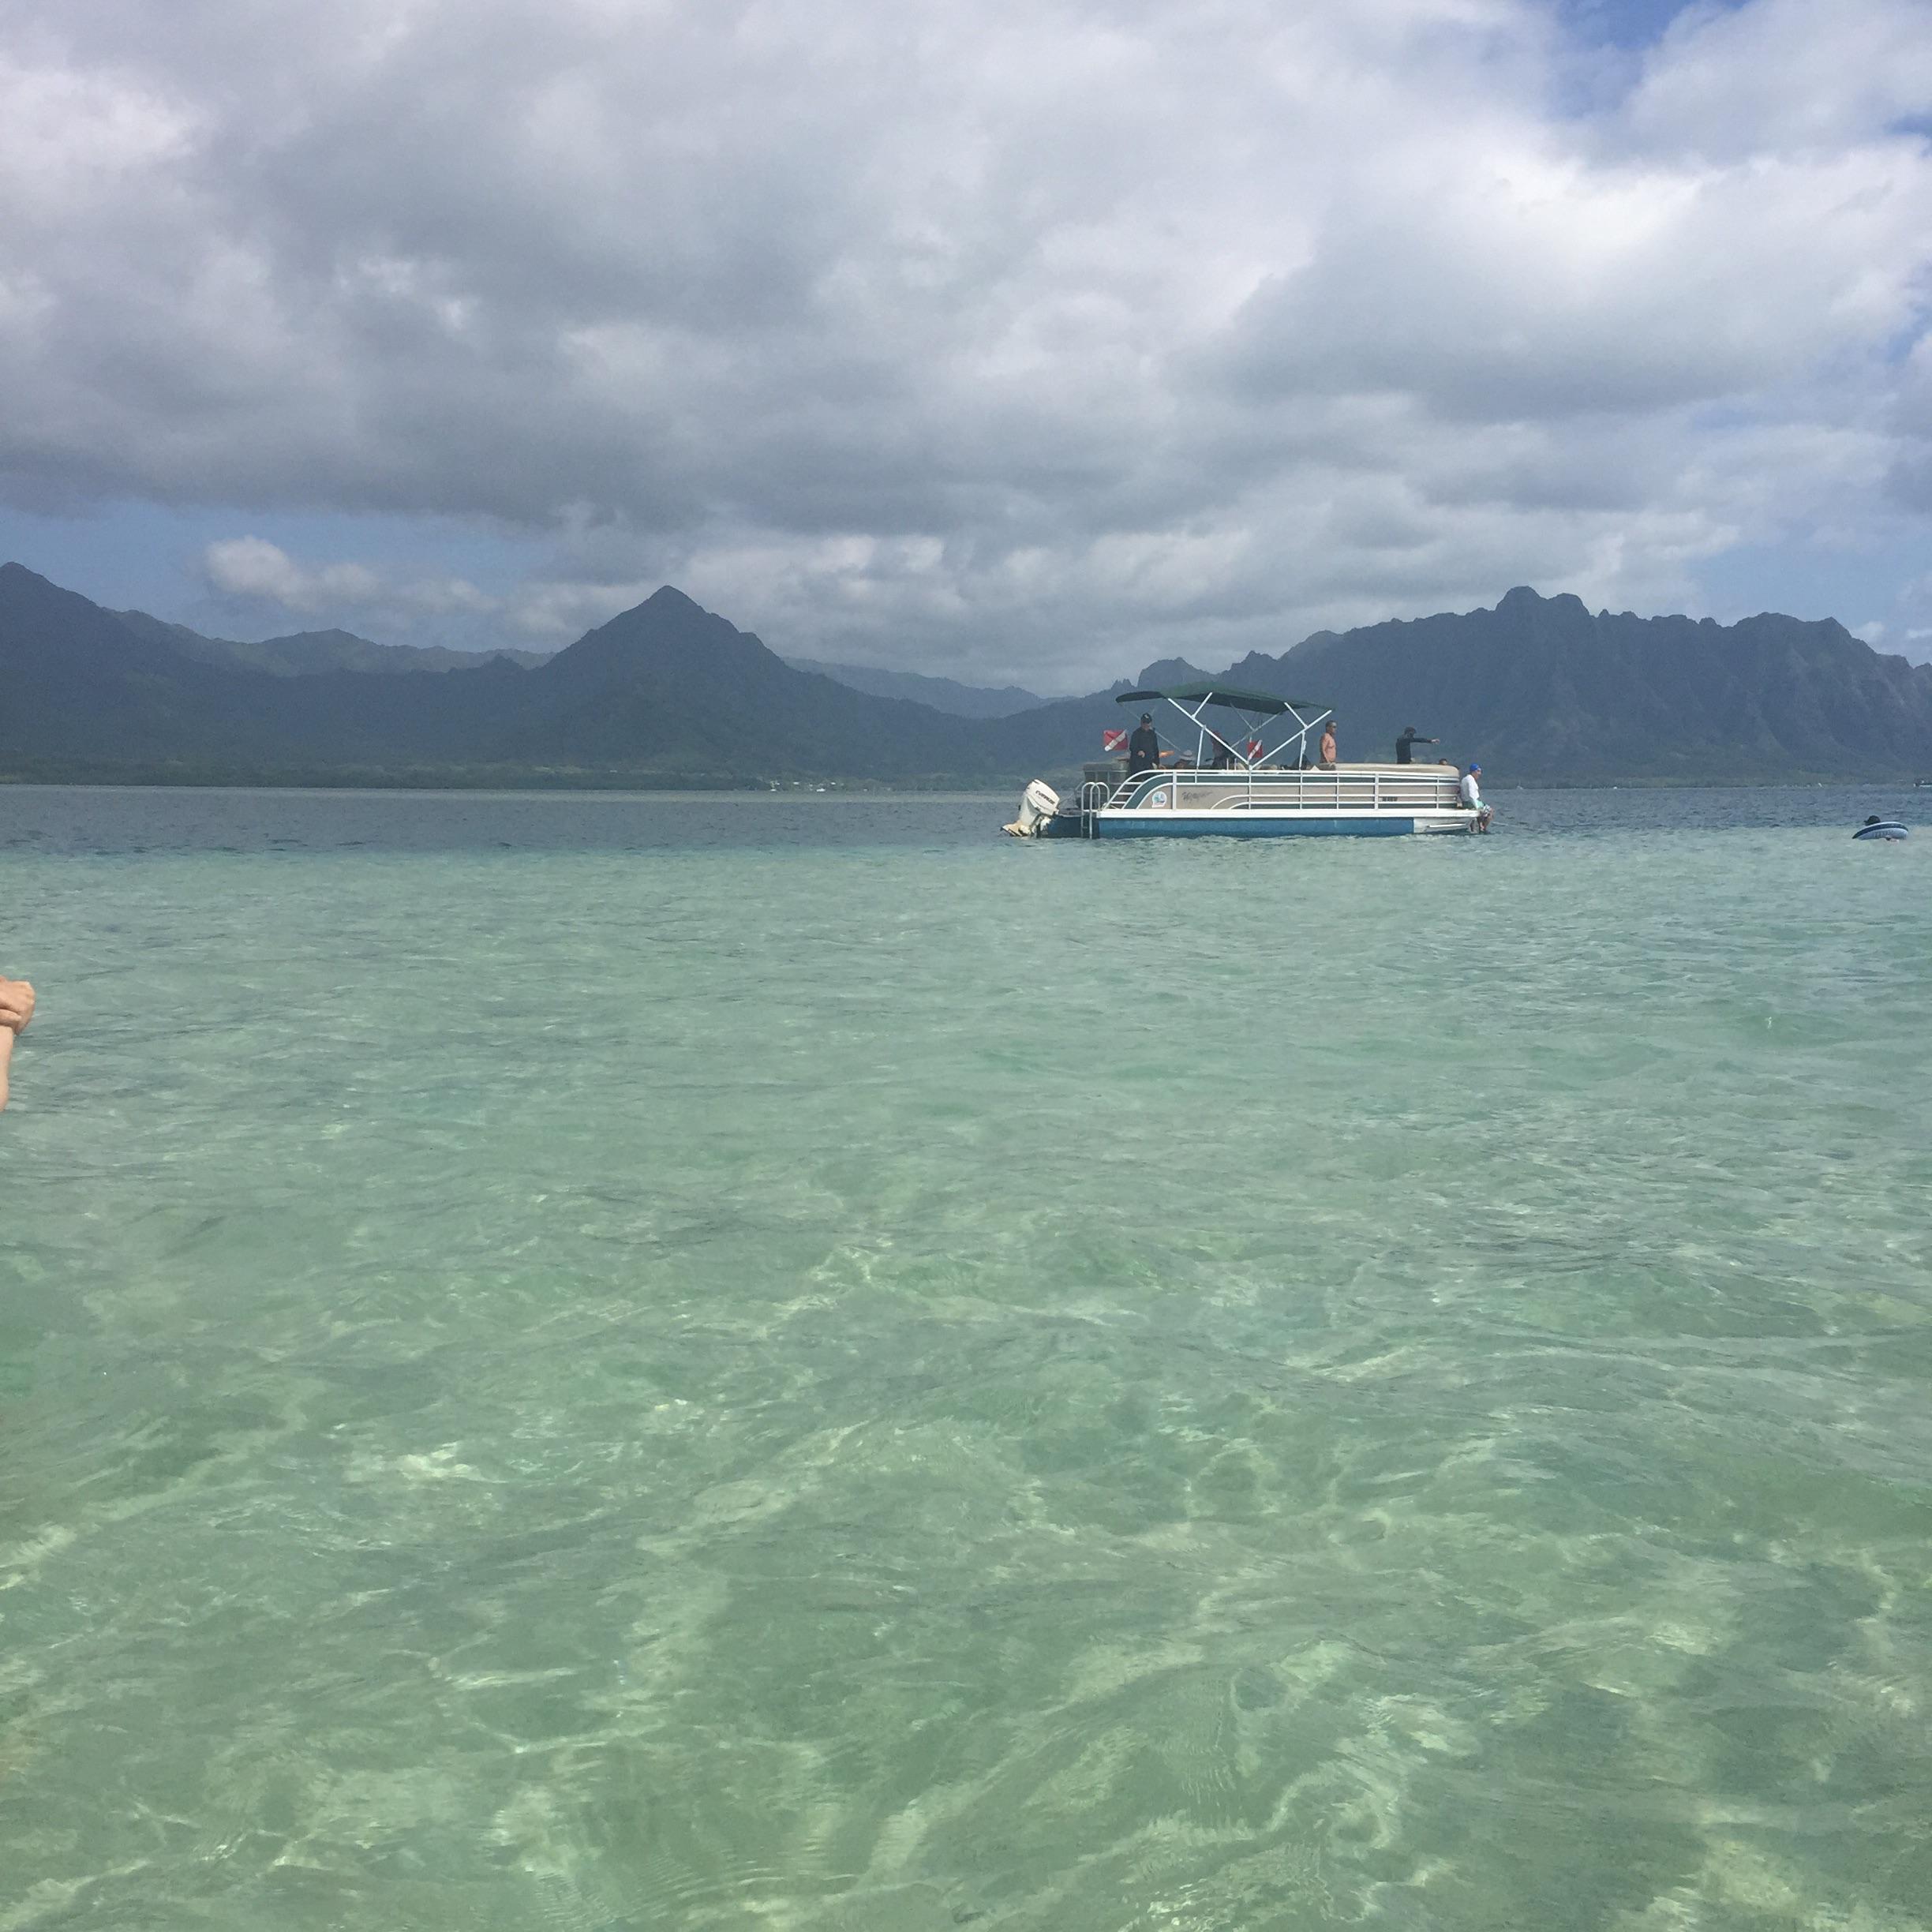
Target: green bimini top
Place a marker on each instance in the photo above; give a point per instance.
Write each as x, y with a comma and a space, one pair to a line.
1220, 694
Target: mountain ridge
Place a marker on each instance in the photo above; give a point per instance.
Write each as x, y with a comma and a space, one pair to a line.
303, 653
941, 693
668, 694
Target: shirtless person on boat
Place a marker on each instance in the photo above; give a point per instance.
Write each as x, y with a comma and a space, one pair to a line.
17, 1005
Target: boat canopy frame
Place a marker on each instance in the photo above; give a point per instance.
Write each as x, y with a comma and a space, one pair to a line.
1254, 705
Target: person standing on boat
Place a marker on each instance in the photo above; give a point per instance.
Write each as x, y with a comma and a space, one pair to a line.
1143, 746
1325, 757
1406, 744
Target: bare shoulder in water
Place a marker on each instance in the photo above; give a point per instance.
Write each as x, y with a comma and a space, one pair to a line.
17, 1005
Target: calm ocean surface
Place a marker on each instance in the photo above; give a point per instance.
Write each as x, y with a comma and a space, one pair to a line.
606, 1363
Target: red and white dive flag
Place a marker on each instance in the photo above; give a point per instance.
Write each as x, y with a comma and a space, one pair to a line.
1113, 741
1253, 750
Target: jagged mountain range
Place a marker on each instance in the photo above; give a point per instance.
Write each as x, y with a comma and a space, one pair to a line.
665, 693
1542, 690
303, 653
1539, 688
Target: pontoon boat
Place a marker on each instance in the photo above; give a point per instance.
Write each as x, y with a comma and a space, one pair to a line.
1239, 785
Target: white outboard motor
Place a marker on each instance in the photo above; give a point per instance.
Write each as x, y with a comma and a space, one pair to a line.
1038, 804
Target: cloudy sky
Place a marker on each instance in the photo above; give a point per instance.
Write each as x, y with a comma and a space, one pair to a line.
1020, 339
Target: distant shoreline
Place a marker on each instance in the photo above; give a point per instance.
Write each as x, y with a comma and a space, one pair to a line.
831, 791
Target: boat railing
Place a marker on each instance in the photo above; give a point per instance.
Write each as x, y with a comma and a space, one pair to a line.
1277, 787
1095, 797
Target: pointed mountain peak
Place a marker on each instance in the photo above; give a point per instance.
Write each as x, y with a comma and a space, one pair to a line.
667, 604
27, 589
668, 632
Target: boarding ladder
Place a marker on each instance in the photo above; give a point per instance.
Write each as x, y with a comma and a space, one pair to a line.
1093, 794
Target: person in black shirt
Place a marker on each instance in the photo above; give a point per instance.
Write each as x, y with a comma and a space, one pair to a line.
1406, 743
1143, 746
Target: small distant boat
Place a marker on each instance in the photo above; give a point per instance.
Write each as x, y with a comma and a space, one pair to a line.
1877, 828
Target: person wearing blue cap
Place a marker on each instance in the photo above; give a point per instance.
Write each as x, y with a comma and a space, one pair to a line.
1471, 794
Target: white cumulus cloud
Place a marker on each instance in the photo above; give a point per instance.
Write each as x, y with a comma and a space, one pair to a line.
253, 570
1019, 337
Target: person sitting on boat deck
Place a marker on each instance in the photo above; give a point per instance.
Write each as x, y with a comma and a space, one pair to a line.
1406, 744
1327, 756
1470, 793
1143, 746
1223, 755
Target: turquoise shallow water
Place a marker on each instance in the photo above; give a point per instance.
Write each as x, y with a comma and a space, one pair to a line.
603, 1363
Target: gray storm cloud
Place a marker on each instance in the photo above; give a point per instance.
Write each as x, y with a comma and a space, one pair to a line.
1016, 337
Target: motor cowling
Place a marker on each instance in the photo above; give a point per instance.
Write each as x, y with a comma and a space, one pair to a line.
1038, 804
